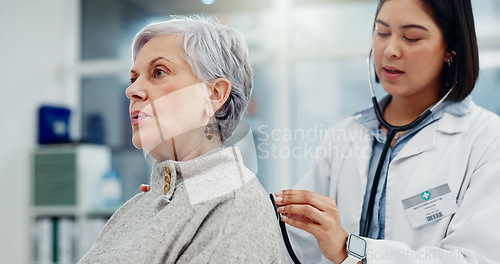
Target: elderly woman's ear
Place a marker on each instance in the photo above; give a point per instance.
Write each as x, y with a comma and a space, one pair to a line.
220, 89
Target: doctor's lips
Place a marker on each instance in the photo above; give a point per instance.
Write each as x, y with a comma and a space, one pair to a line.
392, 73
136, 117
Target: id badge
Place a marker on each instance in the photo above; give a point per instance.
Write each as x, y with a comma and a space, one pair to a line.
430, 206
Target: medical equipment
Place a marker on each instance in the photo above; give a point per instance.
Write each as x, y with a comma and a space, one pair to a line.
391, 133
284, 233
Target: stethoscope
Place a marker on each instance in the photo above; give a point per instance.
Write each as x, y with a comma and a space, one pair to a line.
391, 133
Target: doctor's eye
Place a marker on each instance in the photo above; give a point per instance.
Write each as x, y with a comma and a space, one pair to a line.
411, 39
380, 34
132, 80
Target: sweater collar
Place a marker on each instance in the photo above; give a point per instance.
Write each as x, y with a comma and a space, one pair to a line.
208, 176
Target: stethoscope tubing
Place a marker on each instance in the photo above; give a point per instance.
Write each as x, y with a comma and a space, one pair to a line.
284, 233
391, 133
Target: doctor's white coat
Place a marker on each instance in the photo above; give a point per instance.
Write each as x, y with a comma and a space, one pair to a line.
461, 151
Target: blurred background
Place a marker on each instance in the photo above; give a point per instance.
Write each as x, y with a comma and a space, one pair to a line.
70, 59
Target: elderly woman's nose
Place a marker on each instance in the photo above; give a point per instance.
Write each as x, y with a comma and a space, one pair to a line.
135, 92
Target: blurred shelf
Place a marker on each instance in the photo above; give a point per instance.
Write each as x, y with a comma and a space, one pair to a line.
65, 211
54, 211
101, 211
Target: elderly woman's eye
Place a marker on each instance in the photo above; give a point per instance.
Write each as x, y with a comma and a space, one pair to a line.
158, 73
132, 80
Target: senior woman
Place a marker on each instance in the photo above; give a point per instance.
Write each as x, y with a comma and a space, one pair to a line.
190, 84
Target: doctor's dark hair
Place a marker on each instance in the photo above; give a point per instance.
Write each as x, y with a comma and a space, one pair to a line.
456, 21
213, 51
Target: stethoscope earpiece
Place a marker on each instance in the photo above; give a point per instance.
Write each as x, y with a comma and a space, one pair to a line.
391, 133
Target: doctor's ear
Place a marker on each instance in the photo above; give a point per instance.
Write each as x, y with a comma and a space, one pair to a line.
449, 56
220, 89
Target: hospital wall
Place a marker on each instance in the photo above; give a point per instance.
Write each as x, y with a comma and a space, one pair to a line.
309, 73
37, 44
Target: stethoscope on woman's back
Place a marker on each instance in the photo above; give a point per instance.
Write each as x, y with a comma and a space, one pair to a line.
391, 133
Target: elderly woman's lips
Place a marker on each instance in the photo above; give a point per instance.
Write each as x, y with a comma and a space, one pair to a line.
136, 117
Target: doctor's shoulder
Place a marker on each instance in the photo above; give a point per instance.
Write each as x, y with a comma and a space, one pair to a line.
483, 123
478, 140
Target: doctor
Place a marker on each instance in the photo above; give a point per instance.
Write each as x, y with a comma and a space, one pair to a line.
437, 199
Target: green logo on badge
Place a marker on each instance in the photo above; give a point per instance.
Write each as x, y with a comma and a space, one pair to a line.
426, 195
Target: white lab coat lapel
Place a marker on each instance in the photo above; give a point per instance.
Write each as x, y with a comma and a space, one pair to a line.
452, 124
365, 147
421, 142
350, 217
426, 138
364, 159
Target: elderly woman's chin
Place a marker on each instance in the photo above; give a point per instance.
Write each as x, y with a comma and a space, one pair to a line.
136, 140
147, 142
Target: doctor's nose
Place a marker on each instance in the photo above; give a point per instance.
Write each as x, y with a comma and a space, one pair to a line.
392, 49
135, 92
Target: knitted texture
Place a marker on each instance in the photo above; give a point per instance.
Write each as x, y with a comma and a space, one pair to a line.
215, 211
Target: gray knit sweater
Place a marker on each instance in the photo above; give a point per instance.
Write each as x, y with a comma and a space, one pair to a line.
211, 209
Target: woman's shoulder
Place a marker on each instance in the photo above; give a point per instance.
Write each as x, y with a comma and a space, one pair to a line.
129, 207
253, 191
252, 229
482, 123
482, 115
476, 129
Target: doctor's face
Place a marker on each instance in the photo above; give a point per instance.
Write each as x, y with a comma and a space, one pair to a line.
409, 50
166, 98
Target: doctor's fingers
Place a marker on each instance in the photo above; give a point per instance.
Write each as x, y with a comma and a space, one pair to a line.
321, 202
305, 213
302, 218
308, 226
324, 227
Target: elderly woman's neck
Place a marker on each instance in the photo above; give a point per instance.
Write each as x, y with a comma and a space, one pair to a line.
198, 150
184, 148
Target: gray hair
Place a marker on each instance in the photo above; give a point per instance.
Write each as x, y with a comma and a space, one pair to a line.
213, 51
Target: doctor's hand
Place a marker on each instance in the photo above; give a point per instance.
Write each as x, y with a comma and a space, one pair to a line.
317, 215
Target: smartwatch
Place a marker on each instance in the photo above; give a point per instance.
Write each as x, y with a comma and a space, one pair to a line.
356, 249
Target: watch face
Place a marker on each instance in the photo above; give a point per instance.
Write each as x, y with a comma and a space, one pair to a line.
357, 246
